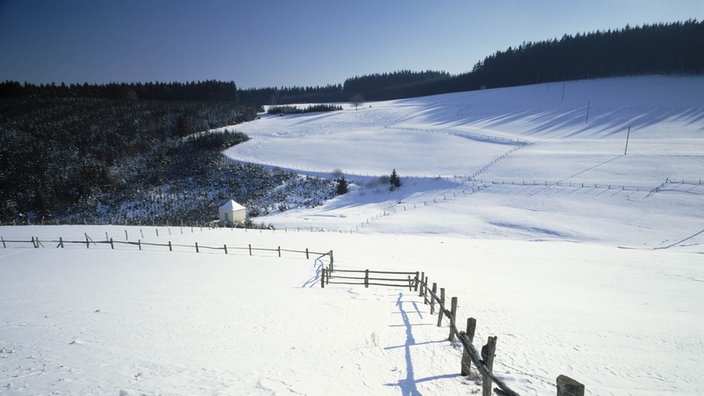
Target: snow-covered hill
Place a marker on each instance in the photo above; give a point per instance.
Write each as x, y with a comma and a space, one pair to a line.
583, 261
548, 159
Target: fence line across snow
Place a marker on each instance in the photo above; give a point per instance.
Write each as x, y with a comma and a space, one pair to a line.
418, 281
61, 243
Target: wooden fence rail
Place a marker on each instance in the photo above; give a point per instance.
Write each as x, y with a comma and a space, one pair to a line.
368, 278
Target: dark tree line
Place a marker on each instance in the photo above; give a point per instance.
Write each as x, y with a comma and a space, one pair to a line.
193, 91
282, 110
288, 95
394, 85
672, 48
381, 86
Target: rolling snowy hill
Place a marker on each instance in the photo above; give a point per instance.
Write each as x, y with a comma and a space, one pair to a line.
548, 159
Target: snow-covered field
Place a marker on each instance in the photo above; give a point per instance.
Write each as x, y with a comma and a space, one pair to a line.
583, 261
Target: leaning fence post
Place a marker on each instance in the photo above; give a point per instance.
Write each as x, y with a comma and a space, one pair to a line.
453, 314
61, 243
432, 298
466, 361
197, 251
488, 352
87, 242
566, 386
366, 278
225, 248
3, 243
442, 305
112, 245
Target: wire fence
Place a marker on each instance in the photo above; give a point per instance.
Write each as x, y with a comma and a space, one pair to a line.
88, 242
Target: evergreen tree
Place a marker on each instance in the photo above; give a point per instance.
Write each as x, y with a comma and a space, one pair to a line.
342, 186
394, 180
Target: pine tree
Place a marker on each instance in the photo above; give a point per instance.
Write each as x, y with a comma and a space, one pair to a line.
394, 180
342, 186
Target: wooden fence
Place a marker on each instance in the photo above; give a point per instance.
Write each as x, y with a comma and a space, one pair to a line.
88, 241
483, 359
368, 278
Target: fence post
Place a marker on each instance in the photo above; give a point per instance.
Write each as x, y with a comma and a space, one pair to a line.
432, 298
61, 243
3, 243
566, 386
307, 254
425, 291
422, 277
126, 238
279, 249
250, 249
139, 243
442, 305
225, 248
322, 277
488, 352
170, 248
197, 251
331, 260
417, 280
112, 245
453, 314
466, 361
87, 242
366, 278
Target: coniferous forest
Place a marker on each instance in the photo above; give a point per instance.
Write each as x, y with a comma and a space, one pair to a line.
70, 152
672, 48
126, 153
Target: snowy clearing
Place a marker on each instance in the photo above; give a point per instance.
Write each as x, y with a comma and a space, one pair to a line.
581, 260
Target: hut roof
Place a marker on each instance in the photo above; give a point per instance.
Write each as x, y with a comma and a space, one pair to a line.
231, 205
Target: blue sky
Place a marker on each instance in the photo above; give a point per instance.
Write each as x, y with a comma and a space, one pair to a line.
285, 43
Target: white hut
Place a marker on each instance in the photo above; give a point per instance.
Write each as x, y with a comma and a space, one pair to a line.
232, 212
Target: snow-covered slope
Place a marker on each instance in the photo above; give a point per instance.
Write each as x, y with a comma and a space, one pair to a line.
581, 260
548, 162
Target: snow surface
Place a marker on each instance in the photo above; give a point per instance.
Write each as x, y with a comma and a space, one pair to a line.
582, 261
